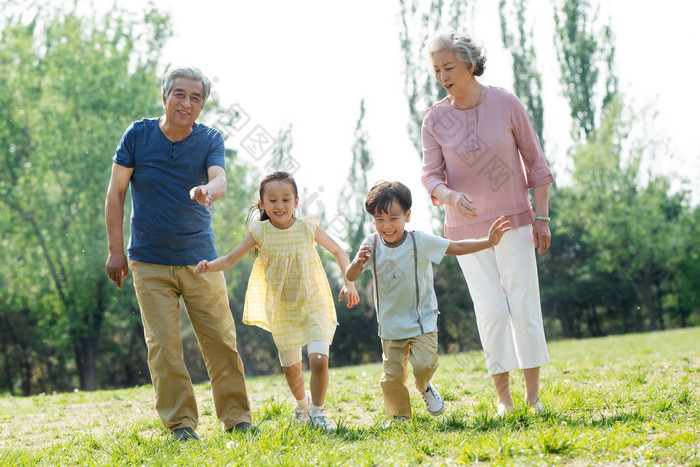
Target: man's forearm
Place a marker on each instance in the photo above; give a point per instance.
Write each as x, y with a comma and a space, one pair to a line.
217, 187
114, 220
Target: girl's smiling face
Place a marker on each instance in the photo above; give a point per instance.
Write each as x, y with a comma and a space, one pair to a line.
279, 202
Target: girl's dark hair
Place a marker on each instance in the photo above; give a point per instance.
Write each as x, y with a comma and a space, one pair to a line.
256, 212
382, 194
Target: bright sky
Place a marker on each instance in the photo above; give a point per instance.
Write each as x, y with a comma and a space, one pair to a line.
310, 63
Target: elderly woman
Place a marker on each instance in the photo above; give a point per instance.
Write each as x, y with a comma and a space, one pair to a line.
480, 156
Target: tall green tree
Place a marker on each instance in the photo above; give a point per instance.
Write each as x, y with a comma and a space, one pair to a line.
418, 19
581, 49
282, 152
71, 85
353, 342
527, 80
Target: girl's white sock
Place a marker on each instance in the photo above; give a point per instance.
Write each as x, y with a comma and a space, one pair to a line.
316, 408
303, 403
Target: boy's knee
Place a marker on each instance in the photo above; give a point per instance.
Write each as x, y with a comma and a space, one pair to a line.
424, 368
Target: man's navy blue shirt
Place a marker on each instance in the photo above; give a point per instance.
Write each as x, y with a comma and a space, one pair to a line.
167, 227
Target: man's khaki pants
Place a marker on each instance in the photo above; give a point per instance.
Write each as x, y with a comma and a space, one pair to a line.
158, 289
421, 351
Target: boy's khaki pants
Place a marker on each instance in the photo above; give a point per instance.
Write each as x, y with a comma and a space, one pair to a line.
158, 289
421, 351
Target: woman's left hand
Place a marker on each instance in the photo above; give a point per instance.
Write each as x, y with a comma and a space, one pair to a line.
542, 236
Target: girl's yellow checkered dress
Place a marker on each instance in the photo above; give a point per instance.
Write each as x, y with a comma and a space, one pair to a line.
288, 292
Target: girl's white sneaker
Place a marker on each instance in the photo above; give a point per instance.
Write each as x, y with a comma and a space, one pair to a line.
319, 419
301, 414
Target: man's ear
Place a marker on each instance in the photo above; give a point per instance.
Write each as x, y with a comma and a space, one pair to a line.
408, 215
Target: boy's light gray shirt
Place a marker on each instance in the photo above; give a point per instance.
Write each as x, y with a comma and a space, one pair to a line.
397, 284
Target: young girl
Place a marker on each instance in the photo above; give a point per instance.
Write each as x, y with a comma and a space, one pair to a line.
288, 292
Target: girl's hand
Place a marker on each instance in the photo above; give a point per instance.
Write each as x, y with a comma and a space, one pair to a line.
202, 267
349, 291
501, 226
462, 202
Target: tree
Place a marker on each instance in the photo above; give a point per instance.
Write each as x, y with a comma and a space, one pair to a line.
635, 226
527, 81
580, 49
71, 85
420, 86
353, 343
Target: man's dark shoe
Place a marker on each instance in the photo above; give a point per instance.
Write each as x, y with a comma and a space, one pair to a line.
242, 427
185, 434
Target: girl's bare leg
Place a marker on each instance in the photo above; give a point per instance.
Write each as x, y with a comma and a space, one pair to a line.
319, 378
295, 380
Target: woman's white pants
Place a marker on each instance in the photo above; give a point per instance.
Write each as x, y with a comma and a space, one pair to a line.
505, 290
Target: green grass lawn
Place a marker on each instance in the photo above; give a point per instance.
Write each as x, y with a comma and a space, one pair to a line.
630, 399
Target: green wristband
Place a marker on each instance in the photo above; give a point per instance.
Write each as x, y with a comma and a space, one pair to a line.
542, 218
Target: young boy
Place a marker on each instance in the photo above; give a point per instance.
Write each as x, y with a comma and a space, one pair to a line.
404, 297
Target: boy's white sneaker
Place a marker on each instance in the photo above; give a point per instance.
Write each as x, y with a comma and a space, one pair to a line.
301, 414
433, 401
319, 419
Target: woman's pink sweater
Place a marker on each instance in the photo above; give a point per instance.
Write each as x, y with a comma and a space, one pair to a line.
491, 152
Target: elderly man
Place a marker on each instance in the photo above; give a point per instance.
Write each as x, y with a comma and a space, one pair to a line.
176, 170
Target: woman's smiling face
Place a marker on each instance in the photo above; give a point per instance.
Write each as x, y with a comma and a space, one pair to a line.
450, 72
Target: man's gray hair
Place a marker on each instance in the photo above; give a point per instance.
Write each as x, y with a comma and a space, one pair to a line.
186, 72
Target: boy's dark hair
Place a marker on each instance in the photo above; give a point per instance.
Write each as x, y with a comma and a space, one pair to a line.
382, 194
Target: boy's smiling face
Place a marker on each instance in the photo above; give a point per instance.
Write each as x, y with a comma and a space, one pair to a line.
390, 225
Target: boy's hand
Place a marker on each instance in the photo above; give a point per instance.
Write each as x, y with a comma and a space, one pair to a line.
202, 267
349, 291
363, 255
501, 226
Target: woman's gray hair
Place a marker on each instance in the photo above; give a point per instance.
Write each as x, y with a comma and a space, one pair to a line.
468, 51
186, 72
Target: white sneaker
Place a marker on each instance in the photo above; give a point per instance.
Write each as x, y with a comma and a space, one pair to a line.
319, 419
433, 401
301, 414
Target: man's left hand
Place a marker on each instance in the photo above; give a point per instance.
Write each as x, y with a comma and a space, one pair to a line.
203, 196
